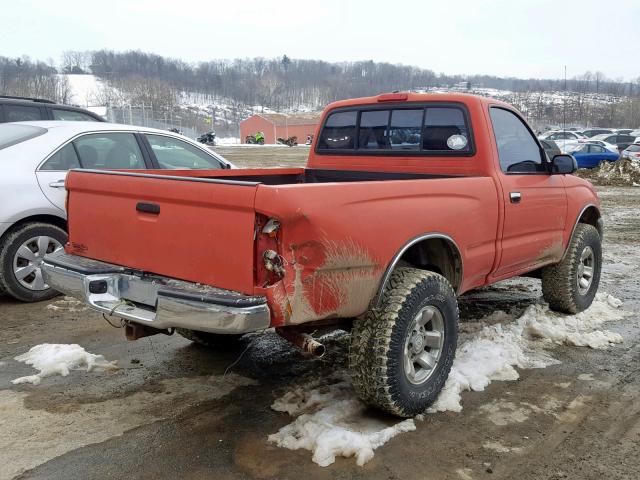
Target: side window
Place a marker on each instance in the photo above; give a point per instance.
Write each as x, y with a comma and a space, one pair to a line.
518, 150
339, 132
445, 129
175, 154
71, 115
404, 130
63, 159
109, 151
596, 149
21, 113
373, 129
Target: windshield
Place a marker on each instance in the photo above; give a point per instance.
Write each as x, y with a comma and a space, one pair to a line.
14, 133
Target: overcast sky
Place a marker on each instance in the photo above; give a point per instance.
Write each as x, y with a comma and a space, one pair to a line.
521, 38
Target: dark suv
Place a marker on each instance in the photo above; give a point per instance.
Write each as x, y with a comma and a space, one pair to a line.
21, 109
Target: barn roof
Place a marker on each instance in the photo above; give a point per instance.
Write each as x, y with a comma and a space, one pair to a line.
280, 119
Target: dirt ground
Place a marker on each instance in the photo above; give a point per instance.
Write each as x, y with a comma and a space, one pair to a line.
171, 412
271, 156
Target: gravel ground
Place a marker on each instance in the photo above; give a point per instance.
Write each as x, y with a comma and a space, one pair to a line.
171, 412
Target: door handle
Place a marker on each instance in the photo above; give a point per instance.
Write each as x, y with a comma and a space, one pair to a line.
152, 208
58, 184
515, 197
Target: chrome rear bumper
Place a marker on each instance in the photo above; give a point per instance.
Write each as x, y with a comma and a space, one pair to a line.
155, 301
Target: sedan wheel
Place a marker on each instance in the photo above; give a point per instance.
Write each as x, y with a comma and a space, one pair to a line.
27, 261
21, 255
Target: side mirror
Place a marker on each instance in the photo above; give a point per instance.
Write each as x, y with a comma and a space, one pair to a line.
563, 164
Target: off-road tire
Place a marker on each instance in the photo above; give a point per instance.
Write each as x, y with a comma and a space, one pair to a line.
559, 281
212, 340
8, 249
378, 339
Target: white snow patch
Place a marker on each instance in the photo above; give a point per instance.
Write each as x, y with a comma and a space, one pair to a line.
331, 421
59, 359
494, 352
68, 304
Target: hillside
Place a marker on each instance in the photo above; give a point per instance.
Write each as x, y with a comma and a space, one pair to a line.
153, 90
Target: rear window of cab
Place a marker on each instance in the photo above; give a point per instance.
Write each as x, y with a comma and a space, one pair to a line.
434, 129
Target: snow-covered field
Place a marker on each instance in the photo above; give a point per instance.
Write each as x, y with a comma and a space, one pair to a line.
86, 90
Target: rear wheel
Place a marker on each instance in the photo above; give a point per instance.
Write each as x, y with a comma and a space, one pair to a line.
401, 354
21, 258
213, 340
571, 285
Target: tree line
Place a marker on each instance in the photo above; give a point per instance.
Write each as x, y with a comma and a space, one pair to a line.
285, 84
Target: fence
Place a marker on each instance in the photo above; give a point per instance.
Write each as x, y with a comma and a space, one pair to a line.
144, 116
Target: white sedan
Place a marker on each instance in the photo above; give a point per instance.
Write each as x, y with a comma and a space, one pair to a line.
565, 139
34, 160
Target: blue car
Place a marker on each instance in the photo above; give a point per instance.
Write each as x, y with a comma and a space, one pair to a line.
589, 155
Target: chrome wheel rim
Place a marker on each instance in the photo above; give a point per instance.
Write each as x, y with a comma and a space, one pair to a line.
423, 345
27, 261
586, 266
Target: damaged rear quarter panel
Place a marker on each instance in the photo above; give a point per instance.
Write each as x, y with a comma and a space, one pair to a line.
337, 239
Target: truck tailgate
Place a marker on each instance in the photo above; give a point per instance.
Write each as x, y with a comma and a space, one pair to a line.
193, 229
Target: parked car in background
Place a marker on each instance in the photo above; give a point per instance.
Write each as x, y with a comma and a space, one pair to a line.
624, 131
589, 155
34, 160
632, 152
609, 146
635, 133
550, 148
564, 139
21, 109
620, 140
592, 132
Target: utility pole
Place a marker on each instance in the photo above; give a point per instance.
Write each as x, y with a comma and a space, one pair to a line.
564, 103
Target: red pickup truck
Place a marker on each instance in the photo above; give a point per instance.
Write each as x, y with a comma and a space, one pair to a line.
407, 201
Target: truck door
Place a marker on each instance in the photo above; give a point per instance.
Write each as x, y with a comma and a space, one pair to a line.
535, 202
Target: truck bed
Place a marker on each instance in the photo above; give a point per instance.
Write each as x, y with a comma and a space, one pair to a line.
201, 226
276, 176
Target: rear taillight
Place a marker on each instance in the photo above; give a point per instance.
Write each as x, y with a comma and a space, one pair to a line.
268, 263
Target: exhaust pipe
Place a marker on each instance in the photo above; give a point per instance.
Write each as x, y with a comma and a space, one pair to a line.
134, 331
303, 341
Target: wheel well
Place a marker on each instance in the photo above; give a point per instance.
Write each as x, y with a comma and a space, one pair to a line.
436, 255
591, 215
52, 219
435, 252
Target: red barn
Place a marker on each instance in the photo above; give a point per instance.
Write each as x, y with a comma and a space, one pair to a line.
275, 125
